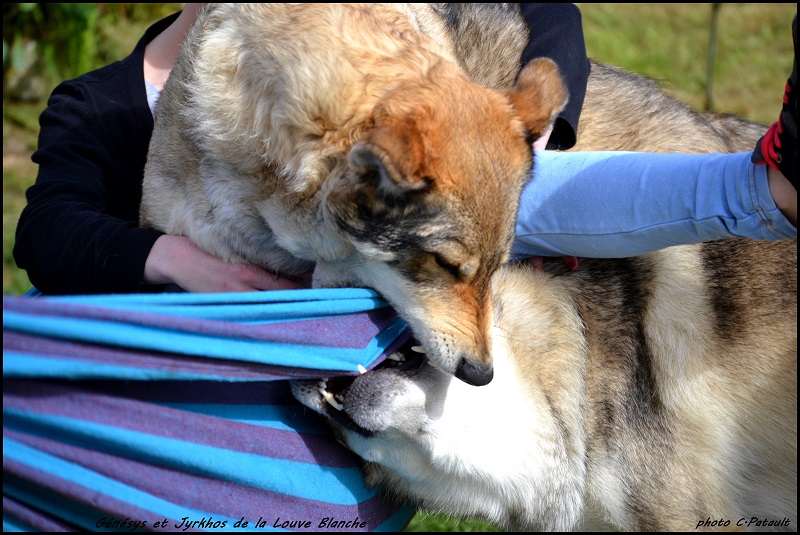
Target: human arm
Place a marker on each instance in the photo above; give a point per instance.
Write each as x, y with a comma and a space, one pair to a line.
655, 200
651, 201
556, 31
176, 260
79, 231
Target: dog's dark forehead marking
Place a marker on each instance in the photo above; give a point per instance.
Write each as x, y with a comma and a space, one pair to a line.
391, 229
411, 229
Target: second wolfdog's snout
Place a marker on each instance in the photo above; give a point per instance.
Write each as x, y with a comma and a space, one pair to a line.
474, 373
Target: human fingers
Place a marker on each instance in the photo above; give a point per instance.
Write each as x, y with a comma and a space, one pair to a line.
261, 279
536, 262
541, 143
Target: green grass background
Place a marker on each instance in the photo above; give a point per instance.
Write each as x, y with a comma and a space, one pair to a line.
667, 42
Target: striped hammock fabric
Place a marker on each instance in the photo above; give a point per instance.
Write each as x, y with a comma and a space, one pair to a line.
172, 412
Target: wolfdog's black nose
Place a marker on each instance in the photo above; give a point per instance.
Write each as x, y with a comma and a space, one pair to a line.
474, 374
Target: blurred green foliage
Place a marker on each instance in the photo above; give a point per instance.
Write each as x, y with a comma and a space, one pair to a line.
46, 43
59, 37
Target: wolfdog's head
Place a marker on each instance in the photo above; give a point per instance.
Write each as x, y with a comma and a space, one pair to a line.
340, 135
428, 203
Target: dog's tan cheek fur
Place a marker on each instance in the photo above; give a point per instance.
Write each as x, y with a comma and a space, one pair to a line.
463, 314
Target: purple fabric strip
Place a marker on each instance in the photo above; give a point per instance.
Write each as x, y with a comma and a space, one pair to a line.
89, 498
250, 393
33, 517
208, 494
44, 398
220, 369
214, 368
352, 330
100, 354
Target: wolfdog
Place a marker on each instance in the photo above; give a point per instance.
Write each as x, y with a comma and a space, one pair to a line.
650, 393
656, 393
346, 139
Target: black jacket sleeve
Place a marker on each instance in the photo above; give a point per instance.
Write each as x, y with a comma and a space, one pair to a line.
79, 232
556, 32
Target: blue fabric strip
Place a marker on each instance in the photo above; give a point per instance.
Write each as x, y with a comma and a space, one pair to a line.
21, 365
60, 468
343, 486
274, 416
172, 341
11, 524
251, 312
315, 302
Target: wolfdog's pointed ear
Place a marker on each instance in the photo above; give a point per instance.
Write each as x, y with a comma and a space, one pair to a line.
395, 155
539, 95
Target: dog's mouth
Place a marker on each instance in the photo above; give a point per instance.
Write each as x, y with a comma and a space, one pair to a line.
334, 392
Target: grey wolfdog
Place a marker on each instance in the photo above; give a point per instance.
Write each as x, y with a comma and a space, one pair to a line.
654, 393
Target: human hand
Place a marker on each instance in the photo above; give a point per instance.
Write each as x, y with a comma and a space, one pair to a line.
176, 260
541, 143
783, 193
537, 262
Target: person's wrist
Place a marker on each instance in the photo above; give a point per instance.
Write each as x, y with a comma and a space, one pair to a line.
541, 143
783, 193
157, 265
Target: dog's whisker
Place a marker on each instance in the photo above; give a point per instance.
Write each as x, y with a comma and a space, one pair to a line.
505, 334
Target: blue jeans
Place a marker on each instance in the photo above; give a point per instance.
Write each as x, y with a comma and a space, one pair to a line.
620, 204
